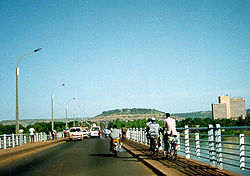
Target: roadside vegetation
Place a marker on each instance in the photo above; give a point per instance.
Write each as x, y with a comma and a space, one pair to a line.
39, 127
194, 119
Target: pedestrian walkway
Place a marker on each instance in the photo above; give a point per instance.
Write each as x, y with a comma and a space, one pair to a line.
11, 154
180, 166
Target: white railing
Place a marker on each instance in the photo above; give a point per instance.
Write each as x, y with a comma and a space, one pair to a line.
206, 143
13, 140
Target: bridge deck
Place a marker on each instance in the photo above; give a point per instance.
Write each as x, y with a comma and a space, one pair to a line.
180, 166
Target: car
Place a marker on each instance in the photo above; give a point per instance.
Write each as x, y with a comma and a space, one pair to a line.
85, 131
75, 133
95, 131
106, 132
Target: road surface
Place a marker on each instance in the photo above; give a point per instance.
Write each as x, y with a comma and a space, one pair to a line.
73, 158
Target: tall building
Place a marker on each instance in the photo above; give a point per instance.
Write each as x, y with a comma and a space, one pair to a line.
229, 108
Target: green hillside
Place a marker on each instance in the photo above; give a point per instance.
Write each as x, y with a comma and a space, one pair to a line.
193, 115
248, 112
127, 111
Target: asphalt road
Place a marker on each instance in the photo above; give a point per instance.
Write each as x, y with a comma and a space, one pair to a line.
84, 158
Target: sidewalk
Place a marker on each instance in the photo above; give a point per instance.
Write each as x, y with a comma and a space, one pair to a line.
180, 166
11, 154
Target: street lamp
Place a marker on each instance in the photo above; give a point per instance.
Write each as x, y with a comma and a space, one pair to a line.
74, 119
66, 109
52, 102
80, 112
17, 74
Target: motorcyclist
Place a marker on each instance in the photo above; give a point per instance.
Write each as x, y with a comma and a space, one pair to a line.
115, 134
154, 131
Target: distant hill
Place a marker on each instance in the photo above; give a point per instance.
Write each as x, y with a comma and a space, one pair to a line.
193, 115
127, 111
142, 113
127, 114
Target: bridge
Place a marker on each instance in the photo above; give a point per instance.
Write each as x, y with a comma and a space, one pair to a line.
201, 153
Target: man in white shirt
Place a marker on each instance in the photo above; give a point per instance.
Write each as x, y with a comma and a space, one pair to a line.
31, 130
170, 124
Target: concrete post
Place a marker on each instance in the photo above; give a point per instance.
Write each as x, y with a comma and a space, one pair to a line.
4, 141
25, 139
132, 134
242, 152
137, 135
13, 140
41, 136
21, 139
211, 145
178, 142
37, 138
218, 147
141, 136
9, 141
198, 147
144, 137
17, 143
187, 147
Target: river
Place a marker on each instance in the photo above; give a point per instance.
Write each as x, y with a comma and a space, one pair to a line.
229, 148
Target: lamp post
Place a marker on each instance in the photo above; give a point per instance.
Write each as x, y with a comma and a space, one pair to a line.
52, 102
66, 109
80, 112
74, 120
17, 74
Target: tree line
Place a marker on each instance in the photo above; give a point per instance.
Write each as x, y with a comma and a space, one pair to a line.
39, 127
140, 123
198, 122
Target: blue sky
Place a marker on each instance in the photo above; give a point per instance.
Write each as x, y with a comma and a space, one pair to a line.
174, 56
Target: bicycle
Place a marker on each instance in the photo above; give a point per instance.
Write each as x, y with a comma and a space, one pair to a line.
171, 148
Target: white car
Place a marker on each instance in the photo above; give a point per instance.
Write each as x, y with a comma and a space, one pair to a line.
95, 131
106, 132
75, 133
85, 133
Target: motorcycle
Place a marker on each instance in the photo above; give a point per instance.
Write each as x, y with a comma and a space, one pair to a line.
116, 146
155, 146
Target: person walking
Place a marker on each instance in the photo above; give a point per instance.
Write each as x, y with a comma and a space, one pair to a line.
147, 133
31, 130
124, 132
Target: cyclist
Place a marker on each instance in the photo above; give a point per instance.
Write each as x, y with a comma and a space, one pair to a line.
170, 124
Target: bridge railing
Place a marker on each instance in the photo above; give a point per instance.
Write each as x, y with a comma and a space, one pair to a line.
13, 140
207, 143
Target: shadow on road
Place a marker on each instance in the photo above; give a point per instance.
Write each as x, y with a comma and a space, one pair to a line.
111, 155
